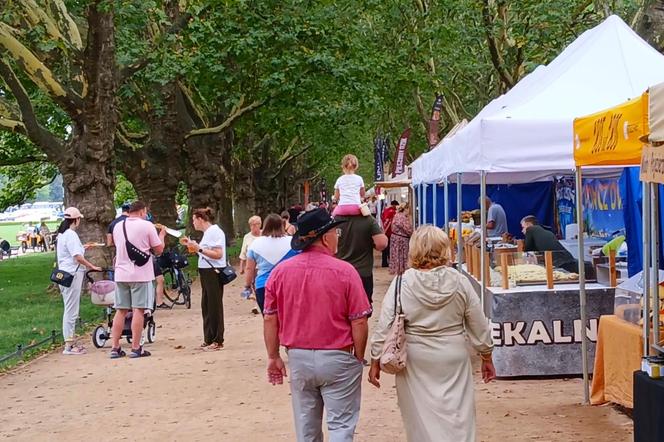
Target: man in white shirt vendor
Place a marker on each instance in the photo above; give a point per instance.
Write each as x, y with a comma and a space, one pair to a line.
496, 220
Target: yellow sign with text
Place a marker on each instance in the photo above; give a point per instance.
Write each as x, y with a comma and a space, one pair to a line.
613, 136
652, 164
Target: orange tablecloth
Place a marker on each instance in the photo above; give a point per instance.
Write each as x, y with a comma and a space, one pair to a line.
617, 355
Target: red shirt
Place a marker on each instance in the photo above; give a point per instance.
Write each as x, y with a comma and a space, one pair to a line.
387, 217
315, 296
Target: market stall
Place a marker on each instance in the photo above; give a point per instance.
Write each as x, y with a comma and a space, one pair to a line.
537, 331
616, 137
648, 382
527, 132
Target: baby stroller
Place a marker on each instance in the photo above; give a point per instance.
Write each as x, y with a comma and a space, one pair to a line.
102, 292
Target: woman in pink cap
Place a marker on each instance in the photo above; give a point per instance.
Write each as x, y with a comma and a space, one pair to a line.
70, 257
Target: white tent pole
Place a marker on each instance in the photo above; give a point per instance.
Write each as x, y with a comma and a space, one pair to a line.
582, 286
459, 226
483, 216
446, 196
424, 203
645, 276
654, 258
434, 205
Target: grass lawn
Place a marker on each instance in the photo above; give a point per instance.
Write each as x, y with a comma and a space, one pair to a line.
8, 230
27, 312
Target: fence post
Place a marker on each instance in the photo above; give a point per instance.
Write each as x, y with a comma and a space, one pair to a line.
53, 337
19, 351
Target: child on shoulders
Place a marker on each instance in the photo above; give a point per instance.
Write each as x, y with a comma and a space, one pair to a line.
349, 188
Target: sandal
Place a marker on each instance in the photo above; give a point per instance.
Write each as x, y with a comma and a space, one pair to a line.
214, 347
139, 353
117, 353
203, 345
164, 306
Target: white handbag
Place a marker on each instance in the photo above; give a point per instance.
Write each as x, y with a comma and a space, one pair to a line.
393, 356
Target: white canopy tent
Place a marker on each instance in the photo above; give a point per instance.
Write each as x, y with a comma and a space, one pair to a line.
529, 129
527, 134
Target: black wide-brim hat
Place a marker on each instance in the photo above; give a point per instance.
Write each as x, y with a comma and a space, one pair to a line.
311, 226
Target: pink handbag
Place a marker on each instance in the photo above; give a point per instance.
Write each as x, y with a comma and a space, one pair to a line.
393, 357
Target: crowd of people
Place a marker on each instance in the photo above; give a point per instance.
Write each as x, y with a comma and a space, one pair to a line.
311, 275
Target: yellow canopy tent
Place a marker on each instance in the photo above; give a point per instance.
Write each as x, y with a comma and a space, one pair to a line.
621, 136
612, 137
607, 138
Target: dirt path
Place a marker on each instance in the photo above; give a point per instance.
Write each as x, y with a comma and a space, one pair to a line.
182, 393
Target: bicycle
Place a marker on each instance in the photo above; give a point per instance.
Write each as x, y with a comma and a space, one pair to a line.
176, 280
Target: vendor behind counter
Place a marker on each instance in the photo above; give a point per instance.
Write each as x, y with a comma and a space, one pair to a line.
538, 239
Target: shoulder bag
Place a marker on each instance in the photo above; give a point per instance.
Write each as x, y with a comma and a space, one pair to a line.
393, 356
136, 255
226, 275
63, 278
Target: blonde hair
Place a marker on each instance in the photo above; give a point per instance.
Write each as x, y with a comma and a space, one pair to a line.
405, 207
349, 163
429, 247
255, 220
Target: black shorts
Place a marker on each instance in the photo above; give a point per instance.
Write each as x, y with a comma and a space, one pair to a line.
157, 268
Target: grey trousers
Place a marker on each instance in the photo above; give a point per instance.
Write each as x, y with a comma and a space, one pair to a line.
330, 379
71, 296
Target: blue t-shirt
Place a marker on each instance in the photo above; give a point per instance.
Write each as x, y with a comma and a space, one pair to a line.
497, 215
268, 252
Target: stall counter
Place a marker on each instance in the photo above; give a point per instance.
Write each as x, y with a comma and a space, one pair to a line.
537, 331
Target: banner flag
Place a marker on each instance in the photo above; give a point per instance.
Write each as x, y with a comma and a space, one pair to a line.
323, 191
379, 173
400, 158
434, 122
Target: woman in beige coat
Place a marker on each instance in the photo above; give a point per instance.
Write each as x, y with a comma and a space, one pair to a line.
443, 315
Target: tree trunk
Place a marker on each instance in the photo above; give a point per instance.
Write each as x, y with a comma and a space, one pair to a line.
155, 170
207, 180
274, 183
226, 179
156, 184
87, 163
88, 186
651, 25
244, 204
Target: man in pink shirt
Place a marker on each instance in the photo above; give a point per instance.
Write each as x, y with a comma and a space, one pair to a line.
134, 237
316, 307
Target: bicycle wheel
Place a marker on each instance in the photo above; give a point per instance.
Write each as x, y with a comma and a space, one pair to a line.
171, 288
184, 289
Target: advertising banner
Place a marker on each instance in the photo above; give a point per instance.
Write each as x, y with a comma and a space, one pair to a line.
652, 164
613, 136
434, 122
323, 191
379, 174
400, 157
539, 333
565, 204
603, 207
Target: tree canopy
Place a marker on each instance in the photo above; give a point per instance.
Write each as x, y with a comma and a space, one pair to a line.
239, 102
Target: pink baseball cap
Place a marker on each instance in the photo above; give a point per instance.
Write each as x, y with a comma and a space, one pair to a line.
73, 213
